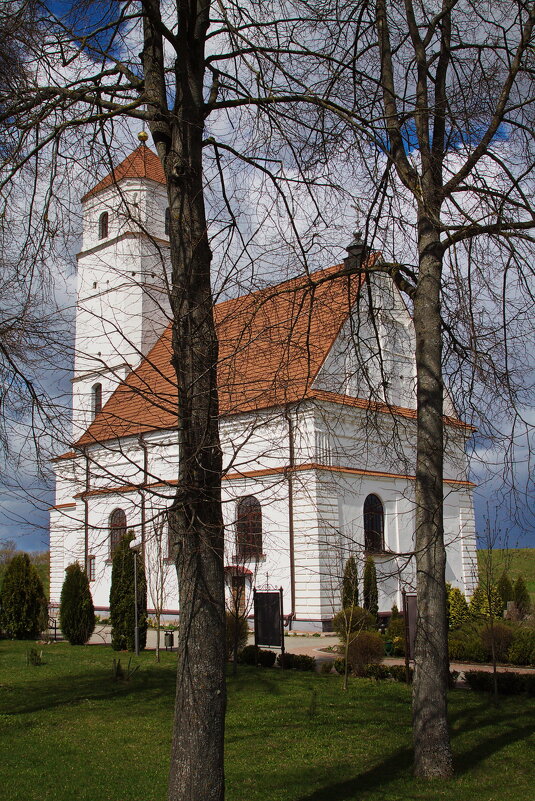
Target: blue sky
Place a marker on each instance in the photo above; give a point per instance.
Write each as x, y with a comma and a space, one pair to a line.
26, 521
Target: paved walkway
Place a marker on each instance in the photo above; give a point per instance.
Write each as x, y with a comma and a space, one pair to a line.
313, 646
310, 645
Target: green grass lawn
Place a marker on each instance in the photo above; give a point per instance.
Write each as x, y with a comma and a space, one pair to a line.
515, 561
68, 731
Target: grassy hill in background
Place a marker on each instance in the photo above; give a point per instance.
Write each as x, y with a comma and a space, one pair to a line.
515, 561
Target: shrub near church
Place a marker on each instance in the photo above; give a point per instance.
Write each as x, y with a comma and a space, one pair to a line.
23, 605
76, 612
122, 597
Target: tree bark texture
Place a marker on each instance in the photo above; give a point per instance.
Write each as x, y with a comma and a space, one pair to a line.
196, 772
432, 751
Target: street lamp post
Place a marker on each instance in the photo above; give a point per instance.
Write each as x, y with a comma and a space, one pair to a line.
136, 622
134, 545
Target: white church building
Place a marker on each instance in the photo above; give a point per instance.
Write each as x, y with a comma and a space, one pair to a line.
317, 422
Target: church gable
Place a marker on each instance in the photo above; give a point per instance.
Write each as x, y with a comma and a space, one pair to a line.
372, 357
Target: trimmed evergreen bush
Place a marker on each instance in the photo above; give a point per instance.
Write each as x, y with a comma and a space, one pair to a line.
247, 655
521, 597
399, 673
377, 672
348, 622
522, 649
122, 614
23, 603
370, 593
340, 666
296, 661
502, 636
366, 649
76, 610
508, 683
465, 644
266, 658
235, 626
350, 584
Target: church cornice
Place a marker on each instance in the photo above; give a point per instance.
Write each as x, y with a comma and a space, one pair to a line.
113, 240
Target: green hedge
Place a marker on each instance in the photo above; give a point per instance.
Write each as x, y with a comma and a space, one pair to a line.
514, 643
508, 683
250, 655
296, 661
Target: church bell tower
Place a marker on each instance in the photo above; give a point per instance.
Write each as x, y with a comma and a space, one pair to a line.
123, 267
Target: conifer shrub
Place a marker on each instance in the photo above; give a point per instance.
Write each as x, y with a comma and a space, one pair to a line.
236, 628
485, 602
502, 636
521, 597
370, 592
396, 633
505, 590
76, 610
348, 622
457, 606
365, 649
122, 613
350, 585
23, 603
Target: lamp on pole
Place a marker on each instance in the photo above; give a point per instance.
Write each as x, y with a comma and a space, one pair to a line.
134, 544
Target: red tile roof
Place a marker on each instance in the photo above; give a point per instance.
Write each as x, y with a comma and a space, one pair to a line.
141, 163
271, 346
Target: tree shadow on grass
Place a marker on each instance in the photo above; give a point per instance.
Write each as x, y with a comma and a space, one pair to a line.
398, 765
381, 775
96, 685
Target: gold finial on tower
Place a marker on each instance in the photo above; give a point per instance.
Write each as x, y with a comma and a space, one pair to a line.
142, 136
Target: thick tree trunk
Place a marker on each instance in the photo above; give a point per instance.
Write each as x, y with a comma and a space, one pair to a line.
432, 752
196, 520
197, 752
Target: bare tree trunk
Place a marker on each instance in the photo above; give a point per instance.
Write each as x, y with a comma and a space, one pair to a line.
196, 523
197, 752
432, 751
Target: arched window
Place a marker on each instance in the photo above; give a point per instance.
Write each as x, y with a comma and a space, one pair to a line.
249, 528
103, 225
117, 529
374, 522
96, 399
167, 221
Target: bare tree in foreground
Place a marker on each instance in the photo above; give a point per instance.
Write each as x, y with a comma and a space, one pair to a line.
426, 108
434, 88
86, 78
